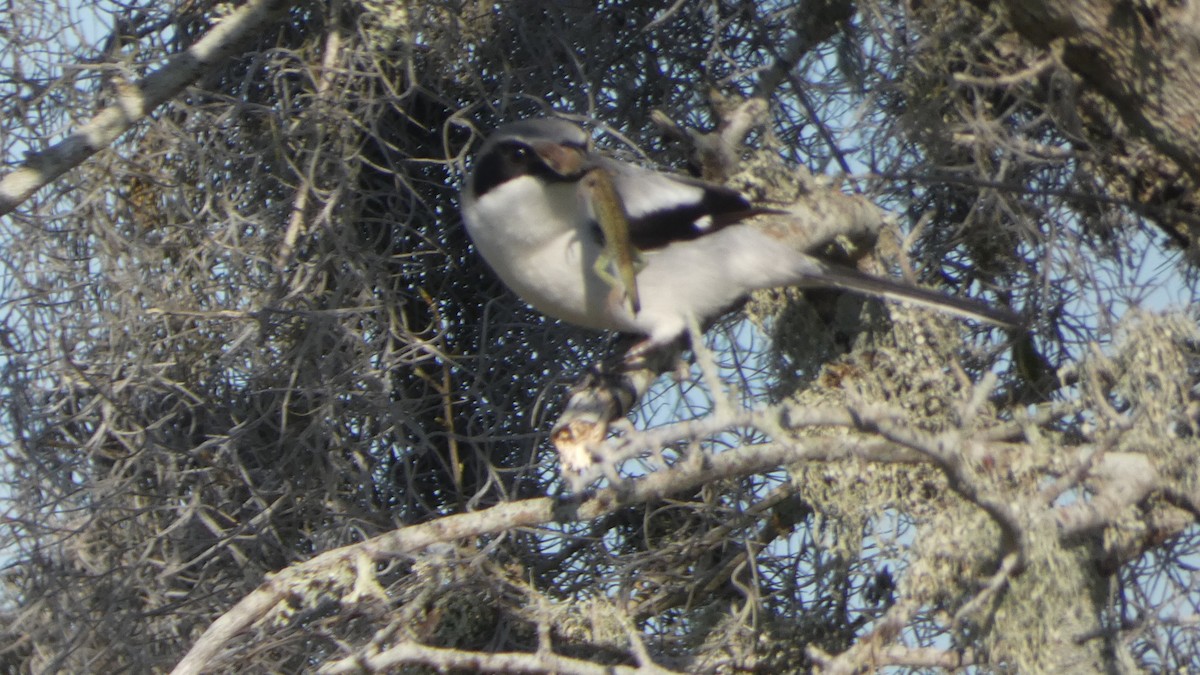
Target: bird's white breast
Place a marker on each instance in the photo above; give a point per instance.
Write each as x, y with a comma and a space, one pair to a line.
538, 238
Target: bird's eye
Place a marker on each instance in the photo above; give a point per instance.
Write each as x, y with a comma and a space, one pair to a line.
520, 153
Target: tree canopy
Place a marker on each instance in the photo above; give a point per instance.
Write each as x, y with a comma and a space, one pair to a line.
265, 410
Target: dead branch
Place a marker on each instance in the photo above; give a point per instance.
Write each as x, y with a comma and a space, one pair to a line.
411, 653
136, 100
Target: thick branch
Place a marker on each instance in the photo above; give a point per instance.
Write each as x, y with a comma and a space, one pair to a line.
410, 653
135, 101
1142, 56
411, 540
1136, 62
1126, 480
903, 445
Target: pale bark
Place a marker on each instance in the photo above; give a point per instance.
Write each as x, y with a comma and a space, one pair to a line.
135, 101
1144, 59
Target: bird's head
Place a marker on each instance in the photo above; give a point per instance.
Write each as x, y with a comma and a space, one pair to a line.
551, 150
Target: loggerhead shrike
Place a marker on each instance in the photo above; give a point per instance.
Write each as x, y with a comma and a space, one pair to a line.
528, 212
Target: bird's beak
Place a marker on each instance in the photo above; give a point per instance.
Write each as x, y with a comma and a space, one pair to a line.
564, 160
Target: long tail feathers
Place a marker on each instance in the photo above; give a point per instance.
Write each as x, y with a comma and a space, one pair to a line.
852, 280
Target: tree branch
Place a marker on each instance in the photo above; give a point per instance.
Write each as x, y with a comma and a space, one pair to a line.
1126, 479
135, 101
1141, 56
898, 444
409, 653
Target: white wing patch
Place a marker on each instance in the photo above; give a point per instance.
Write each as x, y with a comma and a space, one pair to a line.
645, 191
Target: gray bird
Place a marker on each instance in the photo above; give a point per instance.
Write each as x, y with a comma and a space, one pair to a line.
528, 212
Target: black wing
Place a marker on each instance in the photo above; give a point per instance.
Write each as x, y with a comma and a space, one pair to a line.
664, 208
